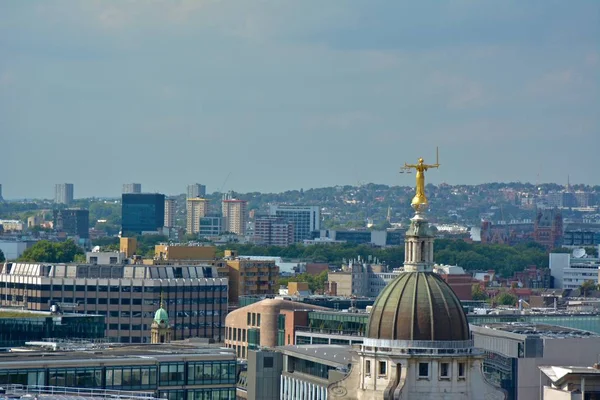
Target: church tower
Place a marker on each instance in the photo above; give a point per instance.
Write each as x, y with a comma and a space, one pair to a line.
160, 332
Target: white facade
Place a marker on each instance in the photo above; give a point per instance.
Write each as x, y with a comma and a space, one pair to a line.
132, 188
306, 219
295, 389
169, 213
11, 225
105, 257
570, 272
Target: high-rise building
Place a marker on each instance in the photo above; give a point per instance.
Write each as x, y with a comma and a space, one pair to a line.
196, 190
273, 231
63, 193
235, 215
143, 212
197, 208
306, 219
249, 277
72, 221
169, 213
1, 192
132, 188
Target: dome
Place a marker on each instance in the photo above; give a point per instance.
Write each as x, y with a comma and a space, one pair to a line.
161, 316
418, 306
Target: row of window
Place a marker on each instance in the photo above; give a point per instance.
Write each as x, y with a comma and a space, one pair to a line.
127, 378
253, 319
424, 370
116, 289
199, 394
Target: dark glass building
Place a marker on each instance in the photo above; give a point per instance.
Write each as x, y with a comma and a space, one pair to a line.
72, 221
142, 212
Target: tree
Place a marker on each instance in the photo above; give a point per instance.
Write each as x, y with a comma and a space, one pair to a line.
478, 293
46, 251
505, 299
587, 287
2, 258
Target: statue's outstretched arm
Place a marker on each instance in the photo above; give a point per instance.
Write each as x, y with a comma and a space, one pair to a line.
431, 166
410, 165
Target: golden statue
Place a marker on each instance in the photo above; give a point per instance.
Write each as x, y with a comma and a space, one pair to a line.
419, 202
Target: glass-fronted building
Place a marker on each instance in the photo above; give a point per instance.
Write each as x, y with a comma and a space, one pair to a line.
144, 212
18, 327
168, 371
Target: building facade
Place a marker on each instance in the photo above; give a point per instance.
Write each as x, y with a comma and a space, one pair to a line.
249, 277
305, 219
165, 371
169, 213
197, 208
514, 351
142, 212
132, 188
548, 228
569, 272
273, 231
268, 323
63, 193
211, 225
72, 221
127, 295
235, 216
196, 190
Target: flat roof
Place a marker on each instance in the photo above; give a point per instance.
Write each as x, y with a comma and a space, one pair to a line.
111, 351
558, 373
326, 354
534, 329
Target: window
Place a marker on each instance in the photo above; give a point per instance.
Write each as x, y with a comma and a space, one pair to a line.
368, 368
461, 370
382, 367
243, 335
253, 319
249, 319
444, 370
268, 362
258, 320
423, 370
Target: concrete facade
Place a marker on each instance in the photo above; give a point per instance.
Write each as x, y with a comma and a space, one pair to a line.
570, 272
197, 208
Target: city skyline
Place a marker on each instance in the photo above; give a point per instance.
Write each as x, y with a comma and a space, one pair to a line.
295, 94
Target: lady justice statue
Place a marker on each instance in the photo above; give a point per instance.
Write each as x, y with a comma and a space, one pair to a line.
419, 202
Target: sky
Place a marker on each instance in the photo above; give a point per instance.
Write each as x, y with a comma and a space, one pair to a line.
274, 95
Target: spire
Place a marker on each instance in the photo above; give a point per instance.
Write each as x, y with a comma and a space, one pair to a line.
162, 302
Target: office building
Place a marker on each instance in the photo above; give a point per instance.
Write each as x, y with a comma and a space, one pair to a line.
305, 219
268, 323
359, 278
196, 190
127, 295
166, 371
249, 277
373, 237
13, 248
20, 326
73, 222
142, 212
514, 351
211, 225
570, 271
63, 193
235, 215
197, 208
132, 188
273, 231
169, 213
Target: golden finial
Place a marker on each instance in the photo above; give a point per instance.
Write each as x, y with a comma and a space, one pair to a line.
419, 202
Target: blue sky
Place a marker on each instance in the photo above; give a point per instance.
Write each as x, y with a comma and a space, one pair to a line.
285, 94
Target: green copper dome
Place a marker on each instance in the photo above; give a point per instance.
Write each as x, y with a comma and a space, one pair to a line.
418, 306
161, 316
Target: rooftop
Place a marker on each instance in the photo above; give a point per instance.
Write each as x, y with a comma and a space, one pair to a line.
557, 373
80, 351
334, 355
539, 330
